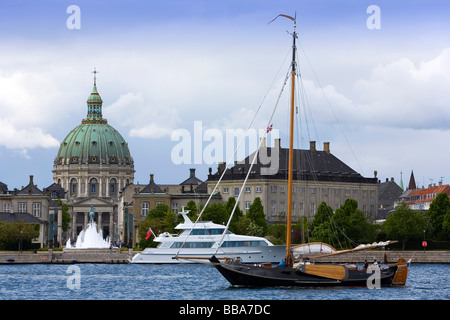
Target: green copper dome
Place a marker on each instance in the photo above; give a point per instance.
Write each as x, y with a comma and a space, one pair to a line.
94, 140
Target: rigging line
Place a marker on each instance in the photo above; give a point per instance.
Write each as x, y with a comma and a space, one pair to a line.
332, 110
253, 161
231, 160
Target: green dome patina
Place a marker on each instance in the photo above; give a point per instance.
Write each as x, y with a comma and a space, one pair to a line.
94, 140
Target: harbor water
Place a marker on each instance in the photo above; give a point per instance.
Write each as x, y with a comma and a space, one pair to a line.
191, 283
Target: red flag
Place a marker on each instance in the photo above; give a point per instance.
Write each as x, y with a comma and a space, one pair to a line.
269, 128
149, 233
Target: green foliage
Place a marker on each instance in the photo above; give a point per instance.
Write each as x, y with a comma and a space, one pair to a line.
216, 213
11, 233
160, 219
439, 217
404, 224
256, 213
343, 228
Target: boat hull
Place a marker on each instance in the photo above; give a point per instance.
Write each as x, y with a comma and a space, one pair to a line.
260, 276
247, 255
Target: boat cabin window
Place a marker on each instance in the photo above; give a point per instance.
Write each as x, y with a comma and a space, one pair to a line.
205, 232
192, 244
244, 244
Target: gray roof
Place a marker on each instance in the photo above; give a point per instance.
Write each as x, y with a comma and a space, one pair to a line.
19, 217
309, 165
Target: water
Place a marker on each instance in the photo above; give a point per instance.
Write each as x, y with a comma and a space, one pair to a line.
90, 238
191, 282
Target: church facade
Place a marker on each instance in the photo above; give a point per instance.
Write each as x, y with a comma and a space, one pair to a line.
92, 165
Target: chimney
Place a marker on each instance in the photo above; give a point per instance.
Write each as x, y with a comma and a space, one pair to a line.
31, 180
151, 177
221, 167
192, 173
326, 147
263, 142
277, 144
312, 146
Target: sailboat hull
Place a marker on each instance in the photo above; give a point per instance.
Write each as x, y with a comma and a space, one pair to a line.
259, 276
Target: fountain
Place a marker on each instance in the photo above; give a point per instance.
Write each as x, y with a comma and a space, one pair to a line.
90, 238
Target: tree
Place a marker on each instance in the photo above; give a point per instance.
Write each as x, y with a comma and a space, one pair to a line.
160, 219
216, 213
256, 213
11, 233
237, 213
404, 224
439, 217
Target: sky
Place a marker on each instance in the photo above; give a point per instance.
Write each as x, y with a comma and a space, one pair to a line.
380, 96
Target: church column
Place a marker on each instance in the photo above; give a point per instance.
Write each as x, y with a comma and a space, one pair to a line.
111, 224
86, 214
99, 222
74, 225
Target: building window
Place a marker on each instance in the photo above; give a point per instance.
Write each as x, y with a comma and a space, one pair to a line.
247, 206
236, 192
225, 190
282, 189
93, 186
273, 189
302, 211
247, 189
337, 191
312, 190
258, 189
37, 209
145, 206
175, 208
112, 186
22, 207
6, 207
73, 184
312, 210
274, 208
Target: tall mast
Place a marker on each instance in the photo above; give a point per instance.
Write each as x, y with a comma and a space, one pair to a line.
289, 258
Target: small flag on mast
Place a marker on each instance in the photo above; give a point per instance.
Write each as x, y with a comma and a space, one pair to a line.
149, 233
269, 128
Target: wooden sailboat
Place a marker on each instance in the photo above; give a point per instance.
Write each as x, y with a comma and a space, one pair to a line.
292, 273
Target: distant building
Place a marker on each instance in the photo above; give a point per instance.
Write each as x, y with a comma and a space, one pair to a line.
137, 200
420, 199
318, 176
30, 205
388, 193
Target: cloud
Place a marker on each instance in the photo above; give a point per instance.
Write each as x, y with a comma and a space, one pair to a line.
14, 138
24, 98
143, 118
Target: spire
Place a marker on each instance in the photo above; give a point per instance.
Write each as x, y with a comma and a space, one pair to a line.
94, 102
412, 182
401, 181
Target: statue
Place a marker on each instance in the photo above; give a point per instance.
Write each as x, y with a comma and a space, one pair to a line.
91, 214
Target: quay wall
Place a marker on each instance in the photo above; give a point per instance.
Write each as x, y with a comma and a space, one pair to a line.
388, 256
67, 256
115, 256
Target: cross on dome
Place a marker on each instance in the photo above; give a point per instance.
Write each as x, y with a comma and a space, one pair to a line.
95, 76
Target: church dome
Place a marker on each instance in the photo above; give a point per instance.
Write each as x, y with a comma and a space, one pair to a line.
94, 140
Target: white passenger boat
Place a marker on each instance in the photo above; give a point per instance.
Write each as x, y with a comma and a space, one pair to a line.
199, 241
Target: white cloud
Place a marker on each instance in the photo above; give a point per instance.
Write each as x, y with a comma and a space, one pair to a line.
143, 118
14, 138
